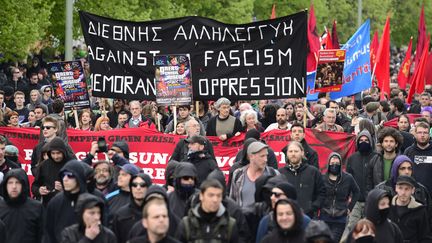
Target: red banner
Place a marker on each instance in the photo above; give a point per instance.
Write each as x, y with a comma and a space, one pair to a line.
151, 150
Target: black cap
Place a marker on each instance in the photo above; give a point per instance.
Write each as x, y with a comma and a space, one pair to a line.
407, 180
197, 139
288, 189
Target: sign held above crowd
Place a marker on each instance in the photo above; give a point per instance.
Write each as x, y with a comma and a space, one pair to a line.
260, 60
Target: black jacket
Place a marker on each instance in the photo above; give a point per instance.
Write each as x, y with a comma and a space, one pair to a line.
37, 152
60, 212
76, 232
360, 167
138, 229
8, 165
179, 198
338, 193
116, 200
413, 223
385, 230
128, 215
422, 167
48, 171
181, 150
212, 230
144, 239
203, 163
308, 180
22, 216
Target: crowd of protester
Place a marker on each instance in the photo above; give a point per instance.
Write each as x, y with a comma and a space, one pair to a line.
380, 193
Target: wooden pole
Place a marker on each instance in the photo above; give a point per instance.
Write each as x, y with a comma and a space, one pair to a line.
305, 112
197, 108
175, 119
75, 112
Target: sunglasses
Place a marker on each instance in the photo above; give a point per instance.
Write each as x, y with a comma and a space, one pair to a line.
47, 90
187, 178
47, 127
68, 174
277, 194
134, 184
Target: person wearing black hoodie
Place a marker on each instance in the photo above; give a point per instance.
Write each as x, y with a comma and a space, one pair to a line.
89, 213
289, 221
359, 165
342, 194
5, 163
129, 214
377, 209
60, 212
47, 182
185, 186
200, 158
155, 191
21, 214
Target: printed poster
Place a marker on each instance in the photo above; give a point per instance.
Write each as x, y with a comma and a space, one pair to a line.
329, 76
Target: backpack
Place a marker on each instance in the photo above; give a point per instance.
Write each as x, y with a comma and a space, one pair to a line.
195, 235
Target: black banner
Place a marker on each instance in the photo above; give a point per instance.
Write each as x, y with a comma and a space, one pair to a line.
260, 60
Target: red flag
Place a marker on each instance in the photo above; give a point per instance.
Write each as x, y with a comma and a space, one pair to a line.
428, 72
273, 13
334, 37
382, 69
421, 38
374, 49
418, 79
313, 39
404, 70
328, 42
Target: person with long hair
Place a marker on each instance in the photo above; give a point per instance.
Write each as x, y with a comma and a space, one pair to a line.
102, 124
85, 121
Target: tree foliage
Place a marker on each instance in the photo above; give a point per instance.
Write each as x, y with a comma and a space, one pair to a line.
24, 23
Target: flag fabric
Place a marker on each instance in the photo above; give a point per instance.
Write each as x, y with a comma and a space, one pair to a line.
357, 70
310, 84
314, 43
418, 79
382, 66
334, 37
404, 70
374, 49
421, 38
428, 70
273, 13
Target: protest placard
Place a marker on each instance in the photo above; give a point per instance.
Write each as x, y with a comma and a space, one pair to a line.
329, 75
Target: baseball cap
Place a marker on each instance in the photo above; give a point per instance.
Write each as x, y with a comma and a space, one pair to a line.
131, 169
407, 180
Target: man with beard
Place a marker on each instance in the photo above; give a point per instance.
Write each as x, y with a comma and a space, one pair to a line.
281, 121
298, 134
122, 118
118, 106
421, 154
104, 177
129, 214
306, 179
390, 140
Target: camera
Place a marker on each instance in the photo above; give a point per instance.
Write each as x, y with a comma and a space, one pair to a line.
102, 145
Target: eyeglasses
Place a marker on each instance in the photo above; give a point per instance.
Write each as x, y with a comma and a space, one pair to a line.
70, 175
47, 90
277, 194
142, 184
47, 127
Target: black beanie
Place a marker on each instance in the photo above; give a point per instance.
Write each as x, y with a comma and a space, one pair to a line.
123, 146
288, 189
253, 133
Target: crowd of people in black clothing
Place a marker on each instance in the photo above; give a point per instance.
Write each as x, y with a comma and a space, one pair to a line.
380, 193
